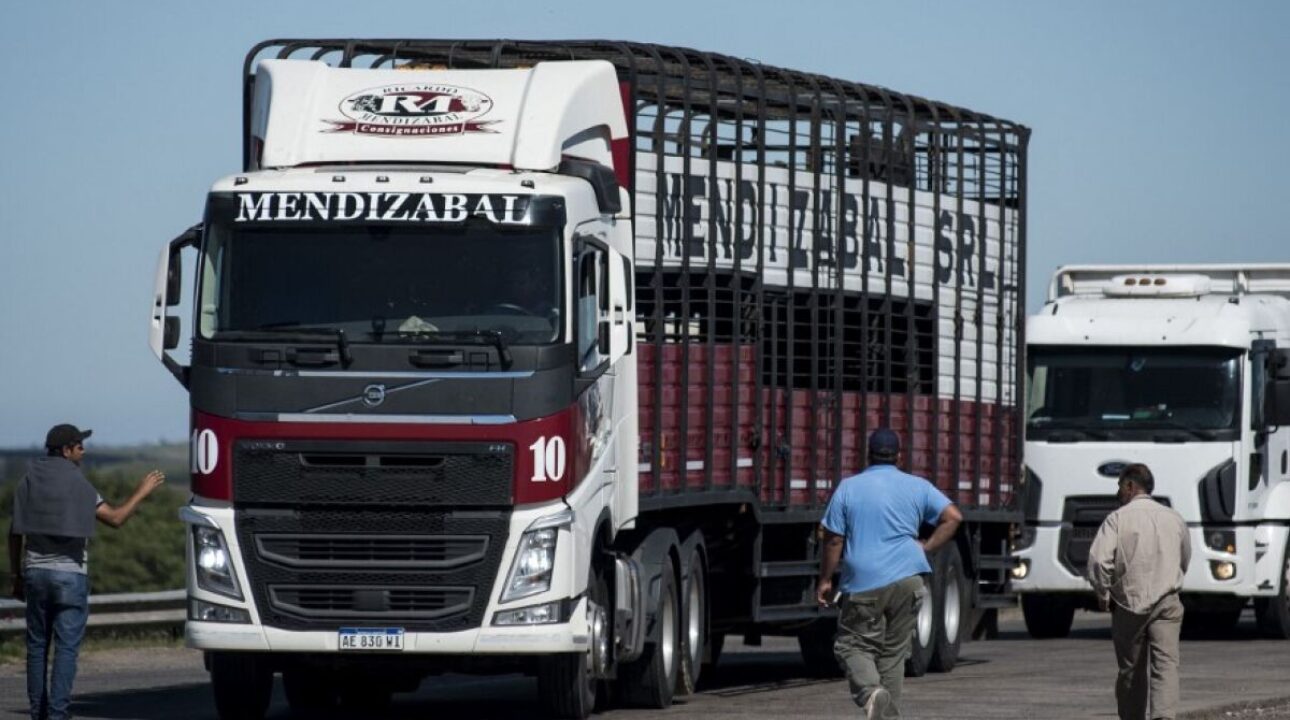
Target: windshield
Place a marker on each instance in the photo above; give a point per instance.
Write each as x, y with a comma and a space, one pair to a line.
1133, 393
383, 283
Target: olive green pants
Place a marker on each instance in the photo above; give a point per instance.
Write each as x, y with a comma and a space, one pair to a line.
875, 629
1146, 649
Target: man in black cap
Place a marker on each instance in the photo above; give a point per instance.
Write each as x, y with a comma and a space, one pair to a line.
54, 509
876, 516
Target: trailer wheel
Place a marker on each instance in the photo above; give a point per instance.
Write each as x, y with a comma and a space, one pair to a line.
242, 683
816, 643
694, 630
951, 585
309, 693
568, 683
1047, 616
1273, 613
649, 681
925, 631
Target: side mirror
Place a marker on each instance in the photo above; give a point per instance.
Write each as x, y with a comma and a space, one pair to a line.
171, 340
174, 278
602, 338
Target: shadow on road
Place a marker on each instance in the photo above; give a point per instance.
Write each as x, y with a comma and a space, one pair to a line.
174, 701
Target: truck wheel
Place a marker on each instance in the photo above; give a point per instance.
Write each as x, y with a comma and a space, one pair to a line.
951, 585
309, 693
816, 644
694, 626
568, 683
1047, 616
1273, 613
649, 681
243, 684
924, 642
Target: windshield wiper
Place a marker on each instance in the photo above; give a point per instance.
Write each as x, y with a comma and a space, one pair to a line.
492, 337
303, 333
1195, 432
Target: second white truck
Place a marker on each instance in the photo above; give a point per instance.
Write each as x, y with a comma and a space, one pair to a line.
1183, 368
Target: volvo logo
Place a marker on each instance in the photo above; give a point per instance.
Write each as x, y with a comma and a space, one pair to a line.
373, 395
1112, 469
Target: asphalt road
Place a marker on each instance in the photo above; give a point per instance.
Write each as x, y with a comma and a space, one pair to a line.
1012, 677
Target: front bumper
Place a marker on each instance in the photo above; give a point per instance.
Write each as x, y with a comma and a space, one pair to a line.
1258, 561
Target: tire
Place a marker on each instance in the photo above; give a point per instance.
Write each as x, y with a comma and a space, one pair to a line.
568, 684
1047, 616
242, 683
1273, 613
694, 626
923, 644
951, 586
816, 644
310, 693
649, 681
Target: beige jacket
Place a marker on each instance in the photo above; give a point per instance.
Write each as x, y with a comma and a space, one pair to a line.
1139, 555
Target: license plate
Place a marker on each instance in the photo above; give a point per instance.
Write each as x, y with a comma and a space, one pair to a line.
360, 639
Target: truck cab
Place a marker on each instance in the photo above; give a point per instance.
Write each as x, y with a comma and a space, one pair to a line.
410, 405
1180, 368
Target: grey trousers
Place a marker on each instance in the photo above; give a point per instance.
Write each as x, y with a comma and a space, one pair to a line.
875, 629
1146, 648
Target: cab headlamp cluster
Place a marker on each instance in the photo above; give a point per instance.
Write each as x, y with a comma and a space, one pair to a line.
534, 563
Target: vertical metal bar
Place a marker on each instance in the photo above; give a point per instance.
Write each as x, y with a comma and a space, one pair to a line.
937, 181
978, 319
839, 271
738, 278
813, 298
687, 238
710, 279
1023, 195
958, 304
791, 306
660, 240
1000, 327
889, 154
765, 445
865, 236
911, 264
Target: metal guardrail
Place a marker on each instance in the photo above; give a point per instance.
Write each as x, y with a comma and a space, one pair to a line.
116, 610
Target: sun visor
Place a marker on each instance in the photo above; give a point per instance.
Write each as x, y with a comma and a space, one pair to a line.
306, 112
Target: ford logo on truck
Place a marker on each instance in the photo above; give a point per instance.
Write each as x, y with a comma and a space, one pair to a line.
1112, 469
414, 110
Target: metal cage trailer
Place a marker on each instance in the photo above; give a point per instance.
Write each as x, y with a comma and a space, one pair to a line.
546, 356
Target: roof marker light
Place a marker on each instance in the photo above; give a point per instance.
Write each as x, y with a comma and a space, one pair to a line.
382, 178
427, 178
338, 178
528, 184
239, 181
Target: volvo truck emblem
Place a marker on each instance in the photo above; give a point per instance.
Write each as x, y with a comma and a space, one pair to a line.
373, 395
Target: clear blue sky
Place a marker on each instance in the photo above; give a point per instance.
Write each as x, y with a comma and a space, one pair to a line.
1159, 135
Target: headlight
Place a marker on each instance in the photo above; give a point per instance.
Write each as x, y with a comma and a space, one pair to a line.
214, 567
211, 612
534, 563
543, 614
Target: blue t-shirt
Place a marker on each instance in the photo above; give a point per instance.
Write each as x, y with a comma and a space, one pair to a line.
878, 512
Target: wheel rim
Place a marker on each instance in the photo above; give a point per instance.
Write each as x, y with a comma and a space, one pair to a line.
694, 620
951, 610
667, 643
925, 619
598, 649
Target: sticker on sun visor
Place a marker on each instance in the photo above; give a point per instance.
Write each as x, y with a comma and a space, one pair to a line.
414, 110
380, 207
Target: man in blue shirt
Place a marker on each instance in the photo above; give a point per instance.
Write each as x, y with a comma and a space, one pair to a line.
875, 516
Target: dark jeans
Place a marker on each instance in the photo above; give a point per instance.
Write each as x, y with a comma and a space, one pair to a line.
57, 607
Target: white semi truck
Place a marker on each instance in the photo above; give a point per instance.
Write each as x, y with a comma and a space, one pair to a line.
545, 357
1183, 368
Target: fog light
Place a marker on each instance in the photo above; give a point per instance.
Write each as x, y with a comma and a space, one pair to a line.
543, 614
203, 611
1021, 570
1222, 569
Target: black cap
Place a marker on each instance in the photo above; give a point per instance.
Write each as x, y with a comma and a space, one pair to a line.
884, 443
60, 436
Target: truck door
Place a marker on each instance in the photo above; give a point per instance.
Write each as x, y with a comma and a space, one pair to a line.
1268, 456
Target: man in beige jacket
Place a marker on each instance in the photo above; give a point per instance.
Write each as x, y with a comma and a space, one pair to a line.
1136, 566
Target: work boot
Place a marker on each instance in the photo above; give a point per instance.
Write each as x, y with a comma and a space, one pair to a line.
877, 704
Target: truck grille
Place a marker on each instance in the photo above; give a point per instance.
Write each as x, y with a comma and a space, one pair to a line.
295, 473
384, 551
366, 602
1081, 518
423, 569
